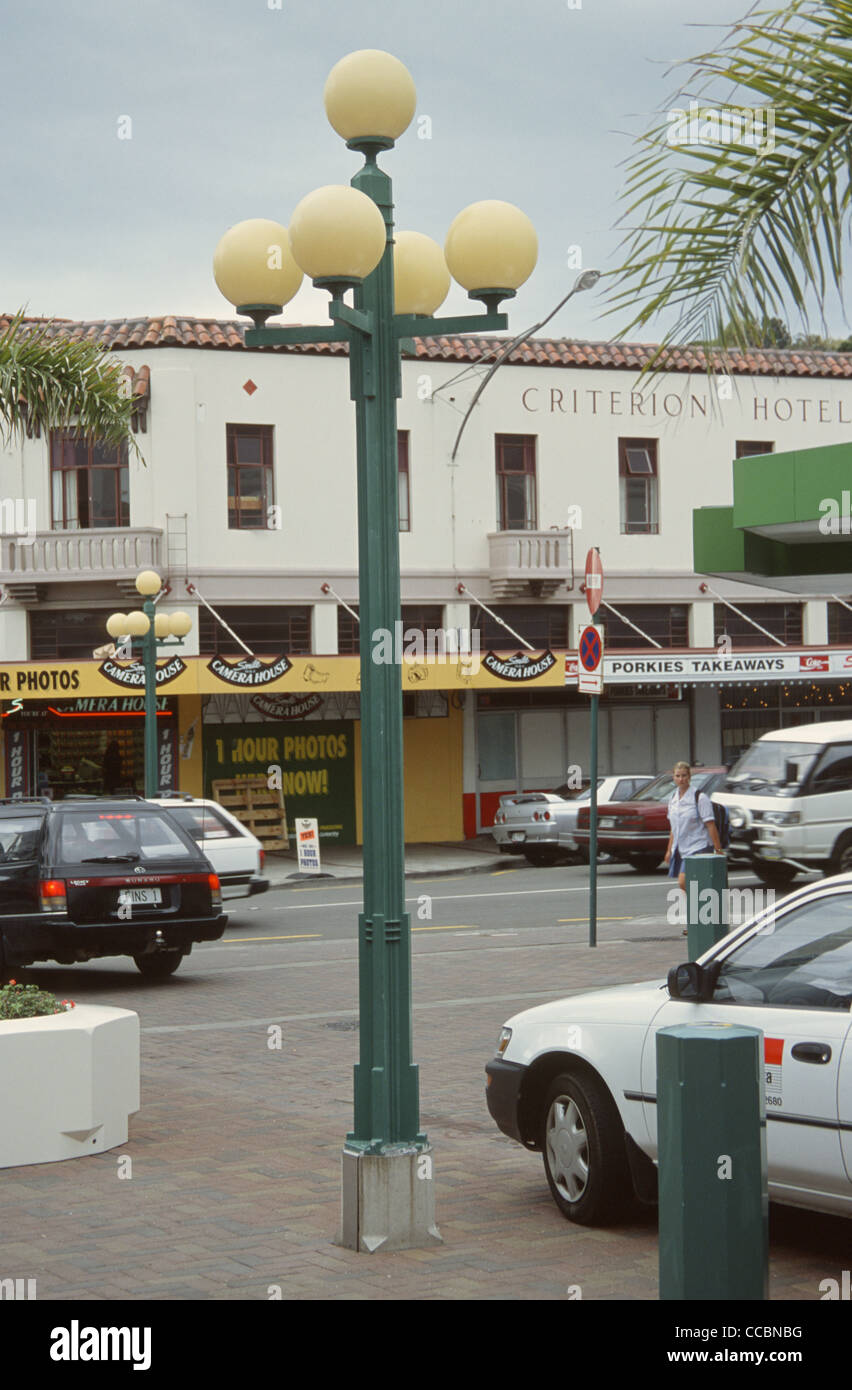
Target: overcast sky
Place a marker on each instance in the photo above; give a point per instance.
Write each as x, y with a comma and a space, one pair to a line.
534, 103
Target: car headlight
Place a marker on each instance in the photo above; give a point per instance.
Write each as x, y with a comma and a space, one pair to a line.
503, 1041
781, 817
737, 817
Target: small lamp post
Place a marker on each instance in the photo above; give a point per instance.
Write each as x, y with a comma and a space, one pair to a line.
151, 630
343, 238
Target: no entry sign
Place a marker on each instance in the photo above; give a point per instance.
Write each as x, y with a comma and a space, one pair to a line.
594, 581
590, 654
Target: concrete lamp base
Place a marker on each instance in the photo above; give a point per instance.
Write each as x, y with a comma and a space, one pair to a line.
388, 1200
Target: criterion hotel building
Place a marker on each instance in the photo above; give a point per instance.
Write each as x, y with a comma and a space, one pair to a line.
245, 503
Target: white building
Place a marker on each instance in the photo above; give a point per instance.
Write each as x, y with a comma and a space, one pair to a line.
246, 490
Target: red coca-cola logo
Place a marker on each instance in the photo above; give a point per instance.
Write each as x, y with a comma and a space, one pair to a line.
813, 663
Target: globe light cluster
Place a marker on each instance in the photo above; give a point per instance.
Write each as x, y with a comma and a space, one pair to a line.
175, 623
337, 235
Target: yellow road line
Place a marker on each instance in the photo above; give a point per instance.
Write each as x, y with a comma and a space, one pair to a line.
431, 880
495, 873
304, 936
600, 919
466, 926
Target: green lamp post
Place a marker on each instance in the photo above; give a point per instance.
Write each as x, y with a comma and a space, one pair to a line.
150, 631
342, 237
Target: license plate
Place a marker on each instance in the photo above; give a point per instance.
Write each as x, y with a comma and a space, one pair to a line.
607, 822
139, 895
517, 835
770, 853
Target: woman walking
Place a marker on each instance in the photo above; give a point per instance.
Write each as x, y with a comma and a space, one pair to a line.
693, 827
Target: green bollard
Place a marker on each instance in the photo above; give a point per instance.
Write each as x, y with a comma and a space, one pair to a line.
706, 878
714, 1205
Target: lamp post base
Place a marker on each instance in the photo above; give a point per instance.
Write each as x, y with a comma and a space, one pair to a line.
388, 1200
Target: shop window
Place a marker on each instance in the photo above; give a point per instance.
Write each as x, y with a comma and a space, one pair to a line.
749, 448
67, 634
89, 482
638, 486
517, 508
543, 625
268, 631
250, 477
783, 620
404, 477
666, 623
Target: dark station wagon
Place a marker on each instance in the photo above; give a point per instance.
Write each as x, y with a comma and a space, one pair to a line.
81, 879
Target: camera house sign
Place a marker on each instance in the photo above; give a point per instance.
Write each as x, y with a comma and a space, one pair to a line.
673, 405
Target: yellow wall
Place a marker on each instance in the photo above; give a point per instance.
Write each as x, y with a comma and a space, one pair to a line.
432, 749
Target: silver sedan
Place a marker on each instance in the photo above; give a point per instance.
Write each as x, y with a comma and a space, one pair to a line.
540, 825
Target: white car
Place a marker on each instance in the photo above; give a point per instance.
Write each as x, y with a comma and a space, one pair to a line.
236, 855
541, 825
577, 1081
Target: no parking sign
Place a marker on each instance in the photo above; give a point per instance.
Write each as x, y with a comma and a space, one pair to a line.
590, 653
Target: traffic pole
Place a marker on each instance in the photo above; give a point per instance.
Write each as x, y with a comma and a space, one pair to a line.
593, 828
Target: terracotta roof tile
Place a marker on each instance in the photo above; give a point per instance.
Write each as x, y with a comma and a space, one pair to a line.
179, 330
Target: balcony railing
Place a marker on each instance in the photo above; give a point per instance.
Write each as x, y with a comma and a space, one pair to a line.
101, 554
533, 563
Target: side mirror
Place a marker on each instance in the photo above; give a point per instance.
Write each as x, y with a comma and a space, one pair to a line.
791, 773
691, 981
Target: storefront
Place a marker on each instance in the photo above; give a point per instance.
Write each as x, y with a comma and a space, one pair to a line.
87, 746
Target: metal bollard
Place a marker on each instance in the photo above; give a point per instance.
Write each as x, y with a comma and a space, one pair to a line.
714, 1205
706, 878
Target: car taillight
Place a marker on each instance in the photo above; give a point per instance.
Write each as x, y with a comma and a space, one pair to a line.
262, 859
53, 895
545, 815
215, 890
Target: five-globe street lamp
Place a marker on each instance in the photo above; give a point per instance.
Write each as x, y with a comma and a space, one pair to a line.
342, 237
151, 630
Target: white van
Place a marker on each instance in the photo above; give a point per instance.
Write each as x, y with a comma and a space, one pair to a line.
790, 802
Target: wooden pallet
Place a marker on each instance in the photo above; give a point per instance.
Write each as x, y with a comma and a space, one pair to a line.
256, 807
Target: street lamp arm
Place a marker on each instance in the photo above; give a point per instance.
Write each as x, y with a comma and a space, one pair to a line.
590, 277
426, 326
294, 334
356, 318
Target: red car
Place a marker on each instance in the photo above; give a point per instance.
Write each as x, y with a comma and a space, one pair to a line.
637, 832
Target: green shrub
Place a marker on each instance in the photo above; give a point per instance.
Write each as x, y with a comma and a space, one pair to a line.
28, 1001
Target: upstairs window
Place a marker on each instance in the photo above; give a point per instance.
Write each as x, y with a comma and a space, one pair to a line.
404, 485
517, 508
748, 448
250, 477
89, 481
783, 620
637, 475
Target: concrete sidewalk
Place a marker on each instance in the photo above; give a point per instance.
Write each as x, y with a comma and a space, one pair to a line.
345, 863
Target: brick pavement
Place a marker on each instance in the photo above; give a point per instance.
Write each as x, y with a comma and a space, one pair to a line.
236, 1150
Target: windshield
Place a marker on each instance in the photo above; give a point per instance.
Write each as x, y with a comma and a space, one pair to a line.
773, 766
662, 787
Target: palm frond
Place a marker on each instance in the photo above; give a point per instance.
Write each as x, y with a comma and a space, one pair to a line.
726, 234
54, 383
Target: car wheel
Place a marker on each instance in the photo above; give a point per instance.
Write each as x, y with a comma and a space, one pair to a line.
643, 863
841, 862
776, 875
160, 964
584, 1152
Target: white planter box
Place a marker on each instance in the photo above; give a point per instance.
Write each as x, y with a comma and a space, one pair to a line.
68, 1083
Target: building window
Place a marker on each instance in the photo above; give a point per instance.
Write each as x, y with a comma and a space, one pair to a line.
403, 472
839, 625
543, 625
668, 624
419, 617
269, 631
637, 473
67, 634
250, 479
783, 620
516, 495
748, 448
90, 485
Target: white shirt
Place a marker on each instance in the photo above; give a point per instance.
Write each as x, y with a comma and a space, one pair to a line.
687, 814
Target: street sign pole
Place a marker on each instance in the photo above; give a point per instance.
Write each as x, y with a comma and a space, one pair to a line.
590, 660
